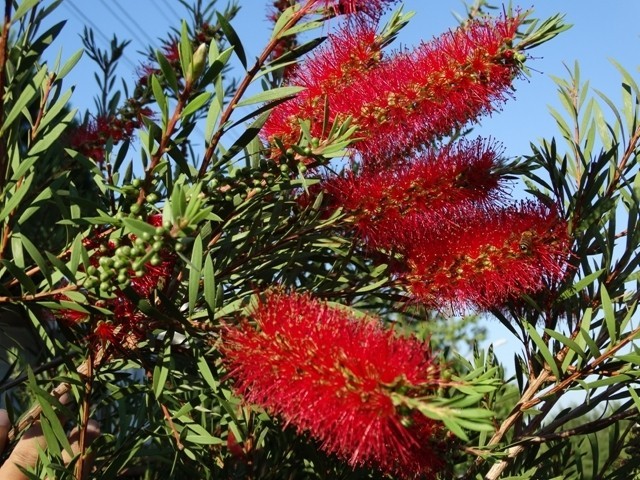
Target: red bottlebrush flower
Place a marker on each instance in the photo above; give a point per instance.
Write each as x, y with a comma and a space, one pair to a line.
333, 376
386, 205
488, 258
90, 139
350, 53
412, 98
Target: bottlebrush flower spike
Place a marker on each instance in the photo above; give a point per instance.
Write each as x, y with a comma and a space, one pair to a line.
349, 55
412, 98
90, 139
488, 258
332, 376
387, 204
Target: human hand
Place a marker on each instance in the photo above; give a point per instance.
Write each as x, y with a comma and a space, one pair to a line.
25, 453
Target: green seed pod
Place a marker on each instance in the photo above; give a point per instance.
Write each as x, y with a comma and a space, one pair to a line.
106, 262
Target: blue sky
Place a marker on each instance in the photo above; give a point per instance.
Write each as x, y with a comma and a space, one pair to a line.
601, 30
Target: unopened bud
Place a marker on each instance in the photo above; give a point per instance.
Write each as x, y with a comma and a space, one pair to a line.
197, 63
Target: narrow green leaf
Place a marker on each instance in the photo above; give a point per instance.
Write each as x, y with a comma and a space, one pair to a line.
271, 95
196, 104
25, 282
207, 375
209, 284
29, 94
167, 72
60, 266
23, 9
233, 39
16, 197
37, 257
53, 135
138, 227
161, 100
609, 314
249, 134
543, 349
212, 119
195, 271
282, 21
581, 284
161, 370
69, 65
185, 50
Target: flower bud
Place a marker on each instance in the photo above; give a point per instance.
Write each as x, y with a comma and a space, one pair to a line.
197, 63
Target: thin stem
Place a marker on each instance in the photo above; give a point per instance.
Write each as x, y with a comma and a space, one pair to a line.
244, 84
86, 410
4, 47
33, 414
164, 142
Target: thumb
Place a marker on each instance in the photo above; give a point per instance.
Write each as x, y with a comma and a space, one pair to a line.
5, 426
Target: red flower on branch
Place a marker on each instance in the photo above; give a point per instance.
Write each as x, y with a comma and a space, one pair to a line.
334, 376
350, 54
408, 100
90, 139
388, 204
487, 258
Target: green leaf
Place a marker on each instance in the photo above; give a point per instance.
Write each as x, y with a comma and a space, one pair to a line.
580, 285
196, 104
195, 272
283, 19
543, 349
138, 227
233, 39
167, 72
16, 198
162, 368
69, 65
209, 284
271, 95
29, 94
207, 375
25, 282
42, 144
23, 9
184, 49
609, 314
249, 134
37, 257
161, 100
212, 119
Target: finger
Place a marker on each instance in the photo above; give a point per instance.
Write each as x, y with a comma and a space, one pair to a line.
5, 426
25, 454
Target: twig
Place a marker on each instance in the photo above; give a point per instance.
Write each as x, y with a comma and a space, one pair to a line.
244, 84
4, 46
33, 414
